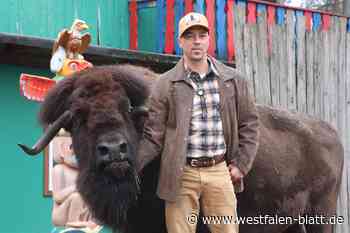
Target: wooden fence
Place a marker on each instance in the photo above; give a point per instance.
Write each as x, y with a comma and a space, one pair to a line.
293, 58
299, 60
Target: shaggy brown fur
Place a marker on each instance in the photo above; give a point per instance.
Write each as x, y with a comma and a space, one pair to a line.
297, 170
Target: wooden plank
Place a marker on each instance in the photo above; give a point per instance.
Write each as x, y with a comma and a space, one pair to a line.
169, 29
271, 20
283, 62
160, 25
133, 25
347, 142
9, 8
318, 63
316, 21
334, 72
251, 16
188, 6
119, 20
275, 58
86, 10
230, 31
291, 76
326, 72
309, 48
262, 78
32, 21
249, 51
326, 22
282, 53
179, 12
199, 6
61, 16
341, 78
308, 21
221, 29
341, 117
147, 34
239, 15
210, 13
252, 61
300, 62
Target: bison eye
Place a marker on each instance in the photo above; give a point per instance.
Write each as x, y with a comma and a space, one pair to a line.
103, 150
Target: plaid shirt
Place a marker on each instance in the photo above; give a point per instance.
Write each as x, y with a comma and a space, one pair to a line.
206, 135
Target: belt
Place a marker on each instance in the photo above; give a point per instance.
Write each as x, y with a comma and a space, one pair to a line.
205, 161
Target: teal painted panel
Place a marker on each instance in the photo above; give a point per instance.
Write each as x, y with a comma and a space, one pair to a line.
8, 9
23, 207
114, 23
46, 18
106, 14
147, 37
32, 17
61, 15
87, 11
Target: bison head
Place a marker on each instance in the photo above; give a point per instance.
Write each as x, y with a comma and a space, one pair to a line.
103, 109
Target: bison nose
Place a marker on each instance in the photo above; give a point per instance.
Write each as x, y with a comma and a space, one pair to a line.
113, 150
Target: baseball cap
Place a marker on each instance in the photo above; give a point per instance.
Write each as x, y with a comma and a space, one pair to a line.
192, 19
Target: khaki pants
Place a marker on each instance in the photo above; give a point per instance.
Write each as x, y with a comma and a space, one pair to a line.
210, 189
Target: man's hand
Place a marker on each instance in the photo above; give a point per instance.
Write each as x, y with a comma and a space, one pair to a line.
235, 173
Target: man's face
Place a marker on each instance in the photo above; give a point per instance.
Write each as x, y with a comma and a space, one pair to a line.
195, 43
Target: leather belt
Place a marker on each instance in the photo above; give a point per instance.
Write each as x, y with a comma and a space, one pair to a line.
205, 161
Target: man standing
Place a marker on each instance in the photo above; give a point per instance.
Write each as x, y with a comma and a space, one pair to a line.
204, 125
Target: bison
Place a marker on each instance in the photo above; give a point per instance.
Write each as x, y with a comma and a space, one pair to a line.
297, 171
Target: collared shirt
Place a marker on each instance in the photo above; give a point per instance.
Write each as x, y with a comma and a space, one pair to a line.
206, 135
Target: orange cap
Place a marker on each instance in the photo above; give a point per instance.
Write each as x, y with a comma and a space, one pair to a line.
192, 19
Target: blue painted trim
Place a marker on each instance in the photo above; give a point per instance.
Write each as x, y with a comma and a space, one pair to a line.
348, 25
280, 15
179, 12
199, 6
299, 13
316, 21
160, 22
260, 8
221, 29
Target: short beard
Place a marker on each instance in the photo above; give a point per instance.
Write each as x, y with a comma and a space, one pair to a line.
109, 198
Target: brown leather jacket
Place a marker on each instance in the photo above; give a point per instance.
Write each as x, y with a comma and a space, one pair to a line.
167, 127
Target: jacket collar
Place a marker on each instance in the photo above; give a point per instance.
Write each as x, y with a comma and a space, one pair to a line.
224, 72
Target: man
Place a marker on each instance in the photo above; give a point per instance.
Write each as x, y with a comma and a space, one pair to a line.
201, 120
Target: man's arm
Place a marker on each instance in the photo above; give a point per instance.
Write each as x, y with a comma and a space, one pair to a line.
248, 133
152, 141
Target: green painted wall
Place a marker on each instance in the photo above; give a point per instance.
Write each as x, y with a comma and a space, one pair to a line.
45, 18
147, 17
23, 207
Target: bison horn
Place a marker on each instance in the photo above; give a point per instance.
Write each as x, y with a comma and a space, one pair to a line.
51, 131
